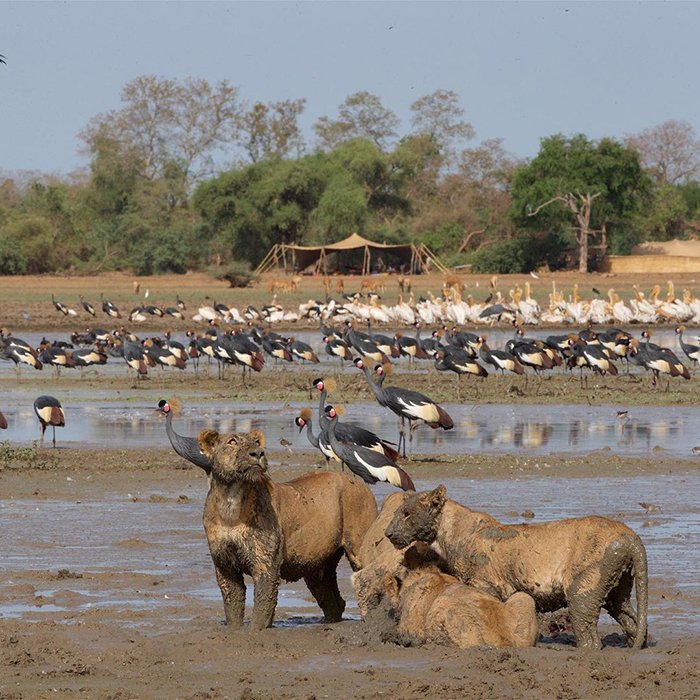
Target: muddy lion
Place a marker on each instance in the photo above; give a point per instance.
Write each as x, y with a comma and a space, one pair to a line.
298, 529
426, 605
403, 595
583, 564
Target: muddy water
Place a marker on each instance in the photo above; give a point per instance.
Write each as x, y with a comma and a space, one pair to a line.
489, 428
157, 559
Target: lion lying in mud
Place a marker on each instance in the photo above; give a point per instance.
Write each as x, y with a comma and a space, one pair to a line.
298, 529
404, 596
583, 564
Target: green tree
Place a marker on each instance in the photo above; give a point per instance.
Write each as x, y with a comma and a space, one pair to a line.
592, 187
439, 117
362, 116
272, 130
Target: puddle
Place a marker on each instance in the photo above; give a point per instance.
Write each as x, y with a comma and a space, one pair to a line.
528, 429
121, 580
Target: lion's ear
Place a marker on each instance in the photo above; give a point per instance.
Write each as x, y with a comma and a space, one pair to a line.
208, 439
258, 436
438, 498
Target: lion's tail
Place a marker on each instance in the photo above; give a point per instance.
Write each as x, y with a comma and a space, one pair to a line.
641, 584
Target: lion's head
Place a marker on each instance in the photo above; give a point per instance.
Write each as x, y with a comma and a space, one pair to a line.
235, 457
417, 519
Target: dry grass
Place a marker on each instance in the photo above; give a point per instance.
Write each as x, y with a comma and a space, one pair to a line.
33, 293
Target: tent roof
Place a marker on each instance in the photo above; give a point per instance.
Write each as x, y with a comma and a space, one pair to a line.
351, 242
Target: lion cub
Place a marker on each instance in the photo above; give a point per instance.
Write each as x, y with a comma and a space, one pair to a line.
298, 529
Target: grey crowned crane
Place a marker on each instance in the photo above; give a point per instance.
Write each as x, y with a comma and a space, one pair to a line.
364, 344
320, 442
58, 306
175, 348
172, 311
49, 412
459, 361
87, 306
137, 315
276, 347
57, 358
347, 432
186, 447
337, 347
133, 356
153, 310
499, 359
302, 351
411, 347
180, 304
658, 361
84, 357
98, 335
593, 356
386, 344
161, 356
21, 354
109, 308
369, 465
408, 405
692, 352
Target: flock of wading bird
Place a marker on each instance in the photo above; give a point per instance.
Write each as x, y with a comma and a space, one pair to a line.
457, 351
448, 307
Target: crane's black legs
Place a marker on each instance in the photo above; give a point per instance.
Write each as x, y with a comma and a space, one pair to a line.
54, 436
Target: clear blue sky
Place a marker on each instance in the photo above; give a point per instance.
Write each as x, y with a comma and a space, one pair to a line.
522, 70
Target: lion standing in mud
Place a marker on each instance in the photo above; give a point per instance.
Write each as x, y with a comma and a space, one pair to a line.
298, 529
583, 564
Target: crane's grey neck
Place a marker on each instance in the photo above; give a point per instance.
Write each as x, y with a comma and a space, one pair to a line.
310, 436
322, 418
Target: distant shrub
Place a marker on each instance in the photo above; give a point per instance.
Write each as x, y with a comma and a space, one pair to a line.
12, 260
522, 253
165, 251
236, 273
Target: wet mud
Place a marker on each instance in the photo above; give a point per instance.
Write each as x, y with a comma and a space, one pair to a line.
108, 590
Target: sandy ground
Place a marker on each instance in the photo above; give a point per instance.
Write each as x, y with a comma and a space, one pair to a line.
289, 384
32, 294
107, 591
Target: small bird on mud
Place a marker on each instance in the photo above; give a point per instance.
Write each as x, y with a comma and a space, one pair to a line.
287, 444
49, 412
650, 507
623, 415
696, 450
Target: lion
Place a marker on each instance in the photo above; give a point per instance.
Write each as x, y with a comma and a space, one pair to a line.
430, 606
584, 564
270, 531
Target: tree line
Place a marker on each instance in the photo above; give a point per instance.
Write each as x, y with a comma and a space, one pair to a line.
188, 175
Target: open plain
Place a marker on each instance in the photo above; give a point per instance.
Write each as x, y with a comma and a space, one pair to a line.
107, 589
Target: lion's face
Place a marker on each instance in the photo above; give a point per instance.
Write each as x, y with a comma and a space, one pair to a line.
235, 457
417, 519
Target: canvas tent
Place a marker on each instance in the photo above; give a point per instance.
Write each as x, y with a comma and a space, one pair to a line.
413, 258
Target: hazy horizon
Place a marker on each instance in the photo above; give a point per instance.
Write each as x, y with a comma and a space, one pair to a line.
523, 71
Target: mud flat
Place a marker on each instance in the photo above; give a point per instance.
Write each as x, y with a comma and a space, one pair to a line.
107, 589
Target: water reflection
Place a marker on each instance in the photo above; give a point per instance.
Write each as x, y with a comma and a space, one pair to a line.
496, 428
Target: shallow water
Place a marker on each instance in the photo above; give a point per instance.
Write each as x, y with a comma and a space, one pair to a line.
529, 429
166, 541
